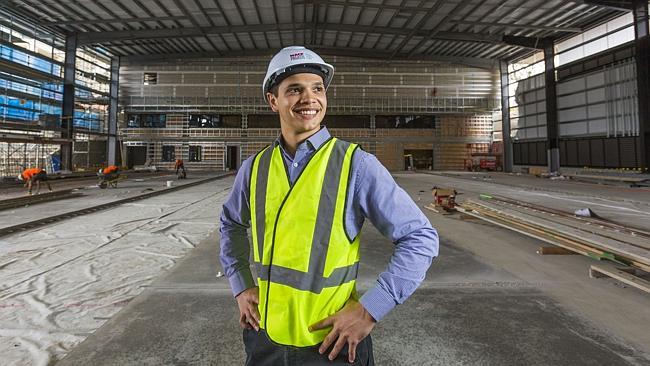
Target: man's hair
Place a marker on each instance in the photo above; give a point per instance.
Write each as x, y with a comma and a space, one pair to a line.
274, 89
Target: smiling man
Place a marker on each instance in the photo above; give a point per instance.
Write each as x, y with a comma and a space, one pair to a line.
305, 198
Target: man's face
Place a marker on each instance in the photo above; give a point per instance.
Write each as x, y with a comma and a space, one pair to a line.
301, 102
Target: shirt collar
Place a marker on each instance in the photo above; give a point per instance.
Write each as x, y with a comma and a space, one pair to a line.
315, 141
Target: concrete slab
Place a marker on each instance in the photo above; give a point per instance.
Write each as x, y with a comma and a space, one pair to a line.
628, 206
198, 268
91, 195
605, 189
507, 326
469, 311
160, 327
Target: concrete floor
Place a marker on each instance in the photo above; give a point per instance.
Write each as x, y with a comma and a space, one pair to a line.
89, 195
487, 300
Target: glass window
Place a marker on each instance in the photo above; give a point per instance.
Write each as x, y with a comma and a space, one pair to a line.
263, 121
205, 120
154, 120
93, 70
136, 120
150, 78
353, 121
593, 41
133, 120
195, 153
404, 121
214, 121
19, 57
168, 153
620, 37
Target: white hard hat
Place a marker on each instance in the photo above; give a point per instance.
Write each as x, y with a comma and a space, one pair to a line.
20, 176
294, 60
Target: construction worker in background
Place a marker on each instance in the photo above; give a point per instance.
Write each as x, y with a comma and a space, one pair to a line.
305, 198
179, 166
34, 175
108, 176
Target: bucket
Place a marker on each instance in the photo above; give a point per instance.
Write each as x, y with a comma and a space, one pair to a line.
169, 183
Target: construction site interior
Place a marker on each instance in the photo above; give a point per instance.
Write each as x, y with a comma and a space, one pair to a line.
520, 129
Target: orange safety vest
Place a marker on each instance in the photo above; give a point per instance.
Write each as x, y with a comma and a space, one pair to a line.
110, 169
29, 173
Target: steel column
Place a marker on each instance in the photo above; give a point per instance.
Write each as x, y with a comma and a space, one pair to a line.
111, 143
642, 55
552, 128
505, 118
68, 100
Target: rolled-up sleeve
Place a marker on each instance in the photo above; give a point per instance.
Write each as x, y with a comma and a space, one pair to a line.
392, 211
235, 220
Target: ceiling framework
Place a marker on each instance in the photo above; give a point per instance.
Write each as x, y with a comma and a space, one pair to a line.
475, 31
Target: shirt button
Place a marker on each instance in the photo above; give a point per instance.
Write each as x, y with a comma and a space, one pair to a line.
295, 165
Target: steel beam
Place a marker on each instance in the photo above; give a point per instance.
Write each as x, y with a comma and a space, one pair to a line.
482, 63
195, 23
552, 128
68, 100
112, 21
418, 27
505, 118
380, 6
111, 143
622, 5
433, 32
527, 42
642, 56
105, 37
517, 26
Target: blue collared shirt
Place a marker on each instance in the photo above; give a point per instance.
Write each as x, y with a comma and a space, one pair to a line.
373, 194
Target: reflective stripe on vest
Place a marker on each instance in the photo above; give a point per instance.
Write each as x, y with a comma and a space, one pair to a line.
306, 264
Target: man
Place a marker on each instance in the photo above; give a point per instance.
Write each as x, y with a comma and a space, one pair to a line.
180, 166
108, 176
305, 199
34, 175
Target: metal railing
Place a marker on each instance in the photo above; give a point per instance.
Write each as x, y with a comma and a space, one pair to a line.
381, 104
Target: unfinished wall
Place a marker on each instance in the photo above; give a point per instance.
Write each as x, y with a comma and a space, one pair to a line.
353, 78
362, 90
450, 155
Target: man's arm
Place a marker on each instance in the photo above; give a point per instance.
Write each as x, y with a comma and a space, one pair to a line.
235, 249
235, 220
392, 211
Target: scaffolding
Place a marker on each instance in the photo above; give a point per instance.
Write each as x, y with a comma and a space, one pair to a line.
16, 156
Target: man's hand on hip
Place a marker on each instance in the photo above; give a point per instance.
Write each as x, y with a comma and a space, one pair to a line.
249, 316
349, 325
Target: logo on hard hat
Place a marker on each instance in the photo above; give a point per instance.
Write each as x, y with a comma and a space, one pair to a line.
297, 56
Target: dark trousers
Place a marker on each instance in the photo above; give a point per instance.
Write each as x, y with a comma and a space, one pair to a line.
261, 351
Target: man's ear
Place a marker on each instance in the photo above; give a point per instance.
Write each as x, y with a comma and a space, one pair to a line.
273, 101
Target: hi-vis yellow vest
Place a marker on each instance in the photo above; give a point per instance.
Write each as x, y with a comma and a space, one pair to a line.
306, 264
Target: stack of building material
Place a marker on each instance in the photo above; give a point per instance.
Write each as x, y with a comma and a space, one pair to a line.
590, 236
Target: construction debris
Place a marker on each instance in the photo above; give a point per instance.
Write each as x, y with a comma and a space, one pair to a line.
622, 274
444, 199
585, 212
553, 250
594, 237
641, 183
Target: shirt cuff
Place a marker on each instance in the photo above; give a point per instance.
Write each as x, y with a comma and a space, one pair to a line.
377, 302
240, 281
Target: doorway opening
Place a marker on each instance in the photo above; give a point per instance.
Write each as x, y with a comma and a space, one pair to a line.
232, 157
418, 159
